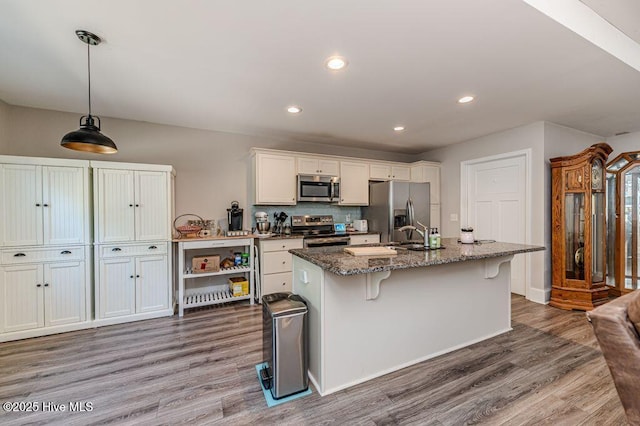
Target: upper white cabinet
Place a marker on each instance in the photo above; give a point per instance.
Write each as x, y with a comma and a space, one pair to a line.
43, 204
318, 166
384, 171
354, 183
274, 179
131, 203
423, 171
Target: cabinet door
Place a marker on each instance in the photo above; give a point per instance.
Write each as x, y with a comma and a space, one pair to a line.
152, 284
117, 287
21, 298
275, 179
379, 171
308, 166
115, 204
432, 175
277, 261
64, 293
21, 205
63, 205
354, 183
151, 206
329, 167
275, 283
401, 173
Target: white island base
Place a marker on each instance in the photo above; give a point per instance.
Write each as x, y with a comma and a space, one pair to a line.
366, 325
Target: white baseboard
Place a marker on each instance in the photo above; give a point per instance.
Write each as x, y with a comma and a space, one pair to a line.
537, 295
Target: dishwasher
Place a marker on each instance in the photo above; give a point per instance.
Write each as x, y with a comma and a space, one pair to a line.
284, 344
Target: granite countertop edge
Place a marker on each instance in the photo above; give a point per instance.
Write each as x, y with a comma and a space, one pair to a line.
334, 260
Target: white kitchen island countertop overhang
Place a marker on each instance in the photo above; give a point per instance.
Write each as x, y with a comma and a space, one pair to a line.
369, 316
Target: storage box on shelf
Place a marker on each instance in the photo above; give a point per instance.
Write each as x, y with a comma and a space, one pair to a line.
45, 287
276, 264
209, 288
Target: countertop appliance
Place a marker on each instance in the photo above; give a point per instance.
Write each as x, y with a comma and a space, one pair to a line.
393, 205
324, 189
318, 231
360, 225
262, 222
234, 216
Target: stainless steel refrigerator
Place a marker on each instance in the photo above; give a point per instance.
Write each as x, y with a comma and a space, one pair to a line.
393, 205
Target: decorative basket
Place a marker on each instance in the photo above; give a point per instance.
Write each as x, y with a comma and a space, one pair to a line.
190, 227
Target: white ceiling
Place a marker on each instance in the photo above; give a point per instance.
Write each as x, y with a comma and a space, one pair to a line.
236, 65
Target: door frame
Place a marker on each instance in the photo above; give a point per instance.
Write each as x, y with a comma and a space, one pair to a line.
465, 166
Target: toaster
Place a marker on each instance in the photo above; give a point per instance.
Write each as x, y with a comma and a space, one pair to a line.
360, 225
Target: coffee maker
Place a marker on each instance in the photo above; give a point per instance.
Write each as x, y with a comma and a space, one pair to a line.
234, 215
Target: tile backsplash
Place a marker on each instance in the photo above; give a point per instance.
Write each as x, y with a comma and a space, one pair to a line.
340, 213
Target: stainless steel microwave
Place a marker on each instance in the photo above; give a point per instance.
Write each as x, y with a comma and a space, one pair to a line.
322, 189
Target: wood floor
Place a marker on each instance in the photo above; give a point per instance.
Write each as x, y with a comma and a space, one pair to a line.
200, 370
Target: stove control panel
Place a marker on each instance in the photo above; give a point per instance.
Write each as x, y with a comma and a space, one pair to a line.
311, 220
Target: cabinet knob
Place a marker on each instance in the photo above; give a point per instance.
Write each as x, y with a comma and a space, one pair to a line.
37, 204
46, 284
137, 276
46, 205
65, 252
19, 255
131, 276
38, 285
116, 249
283, 262
137, 205
130, 205
152, 247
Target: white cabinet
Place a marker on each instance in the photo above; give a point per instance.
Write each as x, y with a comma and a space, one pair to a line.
132, 282
276, 264
132, 205
42, 296
211, 288
434, 220
354, 183
318, 166
385, 171
423, 171
43, 205
364, 239
274, 179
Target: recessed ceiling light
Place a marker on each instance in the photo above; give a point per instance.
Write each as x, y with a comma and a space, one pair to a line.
294, 109
336, 63
398, 128
465, 99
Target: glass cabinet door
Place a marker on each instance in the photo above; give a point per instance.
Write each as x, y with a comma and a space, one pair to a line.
597, 236
574, 236
611, 228
631, 224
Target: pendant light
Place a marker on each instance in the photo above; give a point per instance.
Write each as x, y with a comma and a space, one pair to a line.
88, 138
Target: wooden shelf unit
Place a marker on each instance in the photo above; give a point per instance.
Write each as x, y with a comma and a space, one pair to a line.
190, 295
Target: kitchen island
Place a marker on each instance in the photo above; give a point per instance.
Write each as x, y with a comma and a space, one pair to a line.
371, 315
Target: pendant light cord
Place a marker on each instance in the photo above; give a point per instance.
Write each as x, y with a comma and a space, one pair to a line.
89, 72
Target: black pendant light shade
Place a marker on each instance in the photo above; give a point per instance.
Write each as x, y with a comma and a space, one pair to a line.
88, 137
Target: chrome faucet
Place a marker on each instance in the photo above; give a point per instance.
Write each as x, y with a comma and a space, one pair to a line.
424, 233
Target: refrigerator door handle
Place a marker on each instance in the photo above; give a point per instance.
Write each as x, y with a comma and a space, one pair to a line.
410, 218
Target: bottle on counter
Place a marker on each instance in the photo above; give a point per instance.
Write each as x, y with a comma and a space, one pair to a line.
433, 239
438, 239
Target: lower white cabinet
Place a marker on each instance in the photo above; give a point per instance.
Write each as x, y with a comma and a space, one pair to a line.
364, 239
132, 282
276, 264
39, 297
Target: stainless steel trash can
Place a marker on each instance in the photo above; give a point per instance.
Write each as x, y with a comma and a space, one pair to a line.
284, 344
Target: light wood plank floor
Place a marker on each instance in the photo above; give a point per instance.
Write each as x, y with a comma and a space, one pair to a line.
200, 370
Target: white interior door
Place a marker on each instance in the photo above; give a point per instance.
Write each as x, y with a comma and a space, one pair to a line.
496, 207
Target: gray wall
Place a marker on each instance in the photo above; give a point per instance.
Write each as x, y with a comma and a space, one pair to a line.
212, 167
4, 125
545, 140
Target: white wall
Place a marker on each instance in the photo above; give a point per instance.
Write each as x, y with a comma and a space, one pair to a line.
546, 140
211, 167
624, 143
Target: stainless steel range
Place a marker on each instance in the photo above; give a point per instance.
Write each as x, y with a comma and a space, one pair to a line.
318, 231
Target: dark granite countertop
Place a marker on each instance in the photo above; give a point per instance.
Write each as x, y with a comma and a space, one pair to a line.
334, 259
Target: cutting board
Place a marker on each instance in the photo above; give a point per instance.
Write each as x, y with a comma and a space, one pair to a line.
370, 251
